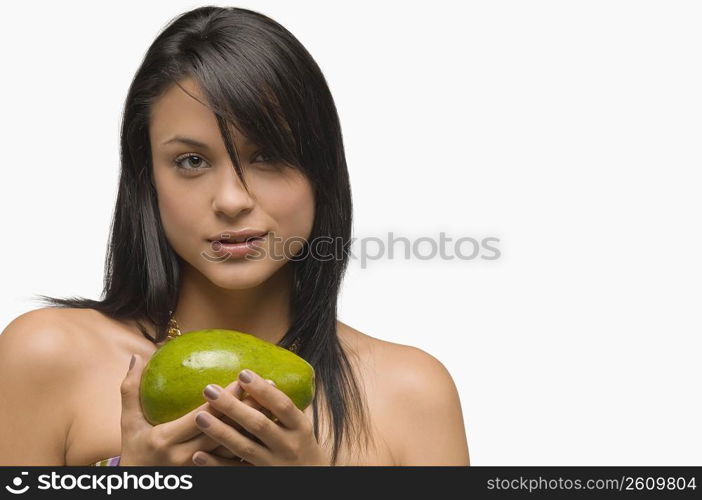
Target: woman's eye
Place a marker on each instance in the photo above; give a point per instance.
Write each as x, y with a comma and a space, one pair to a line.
268, 161
188, 157
192, 163
262, 154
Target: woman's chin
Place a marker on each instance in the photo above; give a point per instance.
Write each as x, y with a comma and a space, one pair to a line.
235, 281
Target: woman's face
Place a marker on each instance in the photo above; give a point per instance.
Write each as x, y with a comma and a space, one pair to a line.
205, 197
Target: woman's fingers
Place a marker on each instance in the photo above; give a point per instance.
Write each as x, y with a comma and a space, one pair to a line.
247, 400
234, 440
208, 459
280, 405
184, 428
255, 404
132, 416
268, 433
224, 452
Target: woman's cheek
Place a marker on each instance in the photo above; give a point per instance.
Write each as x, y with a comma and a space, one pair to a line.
293, 210
179, 219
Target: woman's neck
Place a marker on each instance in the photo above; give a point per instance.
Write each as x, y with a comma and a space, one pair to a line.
262, 311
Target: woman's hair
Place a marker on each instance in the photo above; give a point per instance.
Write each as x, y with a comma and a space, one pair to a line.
255, 73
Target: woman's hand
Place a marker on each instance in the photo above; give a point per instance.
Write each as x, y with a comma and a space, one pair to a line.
287, 438
170, 443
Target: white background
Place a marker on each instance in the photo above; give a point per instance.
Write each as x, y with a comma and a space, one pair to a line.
569, 130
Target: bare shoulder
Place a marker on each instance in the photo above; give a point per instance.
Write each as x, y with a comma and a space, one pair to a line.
54, 342
416, 399
403, 366
39, 363
43, 337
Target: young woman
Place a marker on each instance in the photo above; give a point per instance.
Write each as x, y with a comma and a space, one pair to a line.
229, 131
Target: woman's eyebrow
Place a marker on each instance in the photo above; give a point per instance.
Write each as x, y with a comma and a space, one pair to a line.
194, 142
187, 140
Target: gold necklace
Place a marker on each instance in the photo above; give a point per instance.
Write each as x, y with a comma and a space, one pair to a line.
174, 331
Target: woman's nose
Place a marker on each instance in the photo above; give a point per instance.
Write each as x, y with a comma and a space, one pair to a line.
230, 196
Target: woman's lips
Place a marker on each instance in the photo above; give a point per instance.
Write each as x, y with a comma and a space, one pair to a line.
238, 249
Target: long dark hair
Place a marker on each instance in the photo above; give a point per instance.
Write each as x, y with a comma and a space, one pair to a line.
253, 72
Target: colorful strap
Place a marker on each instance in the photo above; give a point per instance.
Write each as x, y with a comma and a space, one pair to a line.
107, 461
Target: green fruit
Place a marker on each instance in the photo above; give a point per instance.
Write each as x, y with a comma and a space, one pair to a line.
177, 373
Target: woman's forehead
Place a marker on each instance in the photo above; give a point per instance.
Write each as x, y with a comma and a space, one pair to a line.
178, 118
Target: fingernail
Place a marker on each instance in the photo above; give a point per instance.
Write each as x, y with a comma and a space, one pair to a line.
270, 382
131, 362
202, 420
245, 376
199, 459
212, 391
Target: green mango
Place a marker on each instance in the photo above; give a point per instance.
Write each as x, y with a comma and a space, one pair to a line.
177, 373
